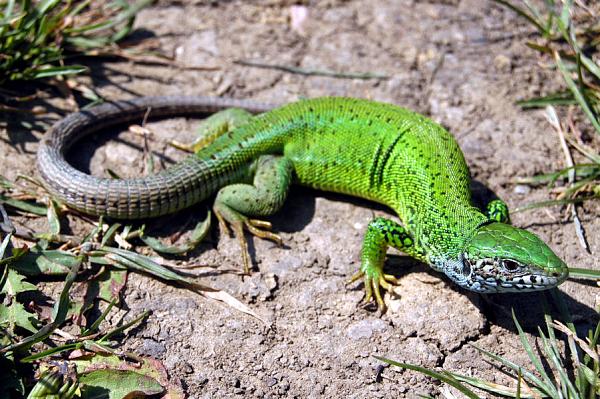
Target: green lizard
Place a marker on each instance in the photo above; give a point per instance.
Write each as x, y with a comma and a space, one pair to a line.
367, 149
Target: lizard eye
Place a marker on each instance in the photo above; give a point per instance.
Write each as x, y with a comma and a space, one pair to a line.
511, 265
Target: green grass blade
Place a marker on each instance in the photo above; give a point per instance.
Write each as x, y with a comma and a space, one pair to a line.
58, 71
110, 234
142, 263
560, 98
127, 14
124, 327
564, 201
579, 96
99, 320
444, 377
527, 375
78, 8
584, 150
582, 170
46, 5
523, 14
586, 274
24, 206
494, 388
535, 360
553, 353
49, 352
590, 65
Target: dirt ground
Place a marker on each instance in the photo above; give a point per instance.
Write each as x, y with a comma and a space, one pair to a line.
461, 62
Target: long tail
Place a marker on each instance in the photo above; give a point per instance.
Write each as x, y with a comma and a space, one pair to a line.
173, 189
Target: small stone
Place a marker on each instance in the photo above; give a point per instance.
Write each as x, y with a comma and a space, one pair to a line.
270, 281
502, 63
271, 382
365, 328
521, 189
187, 368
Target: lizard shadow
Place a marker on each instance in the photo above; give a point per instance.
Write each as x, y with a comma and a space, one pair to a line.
497, 308
529, 307
81, 153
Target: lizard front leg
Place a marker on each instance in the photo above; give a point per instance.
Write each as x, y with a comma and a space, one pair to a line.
382, 233
497, 210
235, 203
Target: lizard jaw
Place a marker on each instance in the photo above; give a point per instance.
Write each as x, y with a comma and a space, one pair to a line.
494, 275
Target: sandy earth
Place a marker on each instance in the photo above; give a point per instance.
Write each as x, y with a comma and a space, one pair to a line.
463, 63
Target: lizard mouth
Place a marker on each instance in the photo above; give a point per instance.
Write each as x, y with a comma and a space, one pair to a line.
490, 275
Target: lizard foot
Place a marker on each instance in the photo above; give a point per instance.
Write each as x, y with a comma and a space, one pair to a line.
374, 280
238, 222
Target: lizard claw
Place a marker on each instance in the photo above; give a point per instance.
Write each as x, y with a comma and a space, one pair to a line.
374, 280
259, 228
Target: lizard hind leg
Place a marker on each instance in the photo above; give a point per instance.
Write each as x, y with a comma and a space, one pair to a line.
237, 203
380, 234
497, 210
213, 127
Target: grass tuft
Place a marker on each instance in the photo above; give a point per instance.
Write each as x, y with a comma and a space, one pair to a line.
569, 37
574, 377
37, 38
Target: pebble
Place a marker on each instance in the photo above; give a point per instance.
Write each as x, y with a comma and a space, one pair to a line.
521, 189
365, 328
502, 63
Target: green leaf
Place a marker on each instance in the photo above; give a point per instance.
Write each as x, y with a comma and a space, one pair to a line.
143, 263
45, 262
109, 284
117, 384
15, 315
15, 284
59, 312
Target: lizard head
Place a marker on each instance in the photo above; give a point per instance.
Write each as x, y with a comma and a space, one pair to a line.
503, 258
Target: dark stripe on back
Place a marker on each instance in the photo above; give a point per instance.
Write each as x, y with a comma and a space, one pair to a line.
386, 156
374, 165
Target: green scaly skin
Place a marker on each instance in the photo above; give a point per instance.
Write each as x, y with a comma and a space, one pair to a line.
376, 151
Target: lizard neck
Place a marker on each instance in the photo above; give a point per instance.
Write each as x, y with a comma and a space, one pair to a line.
444, 232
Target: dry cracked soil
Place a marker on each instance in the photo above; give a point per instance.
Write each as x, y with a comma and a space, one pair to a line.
461, 62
